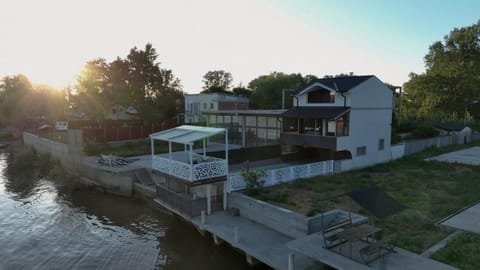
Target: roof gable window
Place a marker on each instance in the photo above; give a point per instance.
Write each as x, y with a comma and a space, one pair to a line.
321, 96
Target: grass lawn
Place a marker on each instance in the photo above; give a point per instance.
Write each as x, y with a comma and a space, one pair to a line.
430, 190
461, 252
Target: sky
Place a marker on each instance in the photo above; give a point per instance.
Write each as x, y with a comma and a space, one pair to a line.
50, 40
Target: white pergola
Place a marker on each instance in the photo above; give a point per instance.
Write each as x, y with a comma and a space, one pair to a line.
194, 167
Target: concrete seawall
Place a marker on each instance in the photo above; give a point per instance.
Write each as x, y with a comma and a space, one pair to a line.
72, 159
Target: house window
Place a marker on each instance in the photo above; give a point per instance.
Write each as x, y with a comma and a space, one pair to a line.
381, 144
211, 106
321, 96
361, 151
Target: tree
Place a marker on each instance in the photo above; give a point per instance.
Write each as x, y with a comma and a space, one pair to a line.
138, 81
267, 89
241, 91
451, 79
217, 81
13, 93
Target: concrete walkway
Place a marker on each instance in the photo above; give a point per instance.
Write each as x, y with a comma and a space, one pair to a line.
256, 240
312, 246
469, 156
441, 244
466, 220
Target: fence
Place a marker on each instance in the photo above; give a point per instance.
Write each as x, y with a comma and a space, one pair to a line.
186, 203
111, 134
287, 174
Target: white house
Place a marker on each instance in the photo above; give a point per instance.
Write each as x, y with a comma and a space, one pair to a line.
463, 133
345, 118
196, 104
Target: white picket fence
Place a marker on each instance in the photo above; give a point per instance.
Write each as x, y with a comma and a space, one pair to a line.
282, 175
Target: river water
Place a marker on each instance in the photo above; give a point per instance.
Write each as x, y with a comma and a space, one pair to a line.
45, 226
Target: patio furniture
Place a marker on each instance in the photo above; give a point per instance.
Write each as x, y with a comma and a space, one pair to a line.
353, 234
374, 249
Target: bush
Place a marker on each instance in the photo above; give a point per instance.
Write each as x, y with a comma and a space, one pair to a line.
253, 180
424, 131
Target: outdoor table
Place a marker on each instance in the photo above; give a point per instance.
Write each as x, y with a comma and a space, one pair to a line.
358, 233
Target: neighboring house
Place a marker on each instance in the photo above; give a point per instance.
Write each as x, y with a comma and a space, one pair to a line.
462, 132
120, 112
345, 118
196, 104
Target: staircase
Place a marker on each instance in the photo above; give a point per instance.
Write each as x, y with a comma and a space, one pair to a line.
144, 178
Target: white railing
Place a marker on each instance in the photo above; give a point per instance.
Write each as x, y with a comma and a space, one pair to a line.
214, 168
282, 175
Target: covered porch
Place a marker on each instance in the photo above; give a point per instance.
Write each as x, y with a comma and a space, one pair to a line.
189, 165
192, 181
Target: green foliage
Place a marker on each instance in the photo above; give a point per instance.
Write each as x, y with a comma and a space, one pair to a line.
242, 91
461, 252
451, 79
267, 89
422, 132
254, 181
138, 81
217, 81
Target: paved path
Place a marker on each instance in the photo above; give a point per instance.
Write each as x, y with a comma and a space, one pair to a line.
466, 220
312, 246
441, 244
469, 156
263, 243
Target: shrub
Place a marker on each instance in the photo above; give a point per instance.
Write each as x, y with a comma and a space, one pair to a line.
423, 131
253, 179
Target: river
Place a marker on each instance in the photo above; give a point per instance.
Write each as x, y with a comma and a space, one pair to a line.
45, 226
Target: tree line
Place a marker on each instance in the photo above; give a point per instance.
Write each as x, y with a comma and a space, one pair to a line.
449, 86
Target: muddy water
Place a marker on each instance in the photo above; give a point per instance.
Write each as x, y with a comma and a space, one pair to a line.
44, 226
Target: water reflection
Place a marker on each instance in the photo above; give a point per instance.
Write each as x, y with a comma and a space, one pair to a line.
43, 226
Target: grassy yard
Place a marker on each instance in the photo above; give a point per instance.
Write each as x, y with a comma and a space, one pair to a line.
462, 252
430, 190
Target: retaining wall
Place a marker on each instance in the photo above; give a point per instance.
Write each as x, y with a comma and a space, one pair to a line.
276, 218
71, 158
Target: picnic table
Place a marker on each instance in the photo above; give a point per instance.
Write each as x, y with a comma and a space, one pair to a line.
353, 234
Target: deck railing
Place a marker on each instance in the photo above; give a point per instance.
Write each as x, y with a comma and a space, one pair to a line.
211, 168
186, 203
287, 174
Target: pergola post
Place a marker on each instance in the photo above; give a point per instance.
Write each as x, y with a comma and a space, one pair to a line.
185, 153
169, 155
152, 147
226, 146
225, 187
209, 199
191, 162
204, 149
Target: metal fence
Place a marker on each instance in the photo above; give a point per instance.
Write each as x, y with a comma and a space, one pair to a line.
282, 175
186, 203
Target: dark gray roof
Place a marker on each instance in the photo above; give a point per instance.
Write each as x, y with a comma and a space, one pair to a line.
449, 127
315, 112
340, 84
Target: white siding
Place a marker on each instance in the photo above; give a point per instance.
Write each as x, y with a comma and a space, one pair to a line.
370, 121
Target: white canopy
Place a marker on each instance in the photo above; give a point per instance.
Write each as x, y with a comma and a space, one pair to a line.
186, 134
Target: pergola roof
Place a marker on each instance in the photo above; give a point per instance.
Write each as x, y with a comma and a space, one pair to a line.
186, 134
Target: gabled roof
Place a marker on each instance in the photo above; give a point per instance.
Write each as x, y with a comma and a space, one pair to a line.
449, 127
315, 112
186, 134
339, 84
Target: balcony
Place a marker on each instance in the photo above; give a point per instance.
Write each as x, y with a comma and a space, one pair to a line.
309, 140
203, 167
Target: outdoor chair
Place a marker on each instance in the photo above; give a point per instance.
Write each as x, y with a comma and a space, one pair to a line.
332, 234
377, 249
